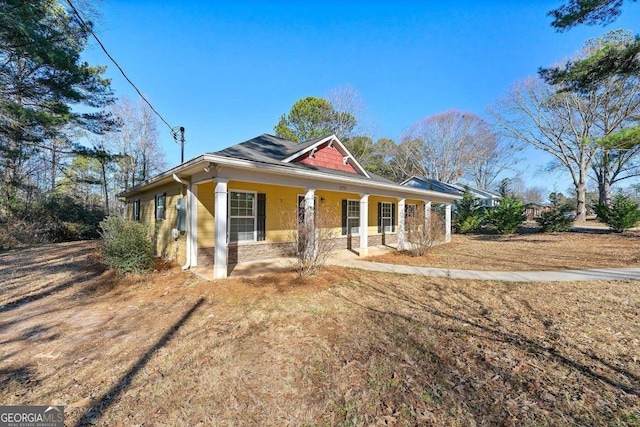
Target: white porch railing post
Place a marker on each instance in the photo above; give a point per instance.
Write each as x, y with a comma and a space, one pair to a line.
220, 267
447, 222
401, 225
364, 225
309, 221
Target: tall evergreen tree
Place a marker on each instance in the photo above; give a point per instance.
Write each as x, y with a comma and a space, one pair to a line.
42, 79
311, 118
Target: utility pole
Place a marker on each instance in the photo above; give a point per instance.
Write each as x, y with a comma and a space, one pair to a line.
179, 140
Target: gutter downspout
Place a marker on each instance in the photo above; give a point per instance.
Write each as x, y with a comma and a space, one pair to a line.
187, 219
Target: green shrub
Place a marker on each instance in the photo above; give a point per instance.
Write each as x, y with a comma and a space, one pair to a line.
126, 245
622, 215
468, 214
506, 217
557, 218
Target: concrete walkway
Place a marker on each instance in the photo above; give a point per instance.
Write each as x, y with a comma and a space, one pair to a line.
506, 276
350, 259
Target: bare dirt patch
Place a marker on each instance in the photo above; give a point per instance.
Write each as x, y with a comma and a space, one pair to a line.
528, 252
343, 348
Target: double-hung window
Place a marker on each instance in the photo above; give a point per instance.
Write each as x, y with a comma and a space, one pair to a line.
353, 216
161, 206
242, 216
386, 217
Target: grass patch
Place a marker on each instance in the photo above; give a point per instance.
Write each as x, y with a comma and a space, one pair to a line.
344, 347
528, 252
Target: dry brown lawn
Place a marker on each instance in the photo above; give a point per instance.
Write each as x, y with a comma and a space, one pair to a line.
528, 252
343, 348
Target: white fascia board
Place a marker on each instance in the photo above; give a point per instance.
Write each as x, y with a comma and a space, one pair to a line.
335, 139
166, 176
363, 184
306, 150
192, 170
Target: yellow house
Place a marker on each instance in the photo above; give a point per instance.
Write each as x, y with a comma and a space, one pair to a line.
243, 202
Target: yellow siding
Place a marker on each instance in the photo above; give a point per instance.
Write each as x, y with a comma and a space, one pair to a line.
280, 220
165, 245
281, 207
206, 223
330, 210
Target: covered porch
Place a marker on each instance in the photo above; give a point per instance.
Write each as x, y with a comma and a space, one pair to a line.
255, 220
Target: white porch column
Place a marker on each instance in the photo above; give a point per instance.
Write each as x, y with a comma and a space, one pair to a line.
427, 215
401, 217
447, 222
221, 212
309, 220
192, 203
364, 225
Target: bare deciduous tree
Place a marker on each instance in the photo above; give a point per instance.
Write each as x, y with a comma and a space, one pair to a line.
312, 235
557, 123
570, 125
445, 146
497, 157
422, 234
348, 105
136, 142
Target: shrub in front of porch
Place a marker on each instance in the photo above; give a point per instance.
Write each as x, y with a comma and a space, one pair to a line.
312, 237
422, 234
126, 245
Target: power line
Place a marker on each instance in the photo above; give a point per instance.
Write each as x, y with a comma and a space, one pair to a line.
88, 28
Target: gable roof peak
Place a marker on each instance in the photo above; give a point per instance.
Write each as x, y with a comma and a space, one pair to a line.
305, 147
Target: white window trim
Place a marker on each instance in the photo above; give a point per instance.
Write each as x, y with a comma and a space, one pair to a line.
390, 217
164, 211
357, 202
255, 216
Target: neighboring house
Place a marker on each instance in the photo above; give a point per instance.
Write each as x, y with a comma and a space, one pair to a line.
486, 197
226, 207
535, 210
432, 185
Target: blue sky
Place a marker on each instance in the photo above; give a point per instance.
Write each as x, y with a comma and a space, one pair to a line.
227, 71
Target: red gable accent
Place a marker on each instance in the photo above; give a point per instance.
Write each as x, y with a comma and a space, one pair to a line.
326, 157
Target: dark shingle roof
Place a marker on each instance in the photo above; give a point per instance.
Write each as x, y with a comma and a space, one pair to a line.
264, 148
272, 150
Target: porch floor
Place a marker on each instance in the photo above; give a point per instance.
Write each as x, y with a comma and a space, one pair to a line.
276, 265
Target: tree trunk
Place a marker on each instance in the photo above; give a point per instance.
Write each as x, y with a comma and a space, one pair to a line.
604, 180
105, 186
581, 208
54, 167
